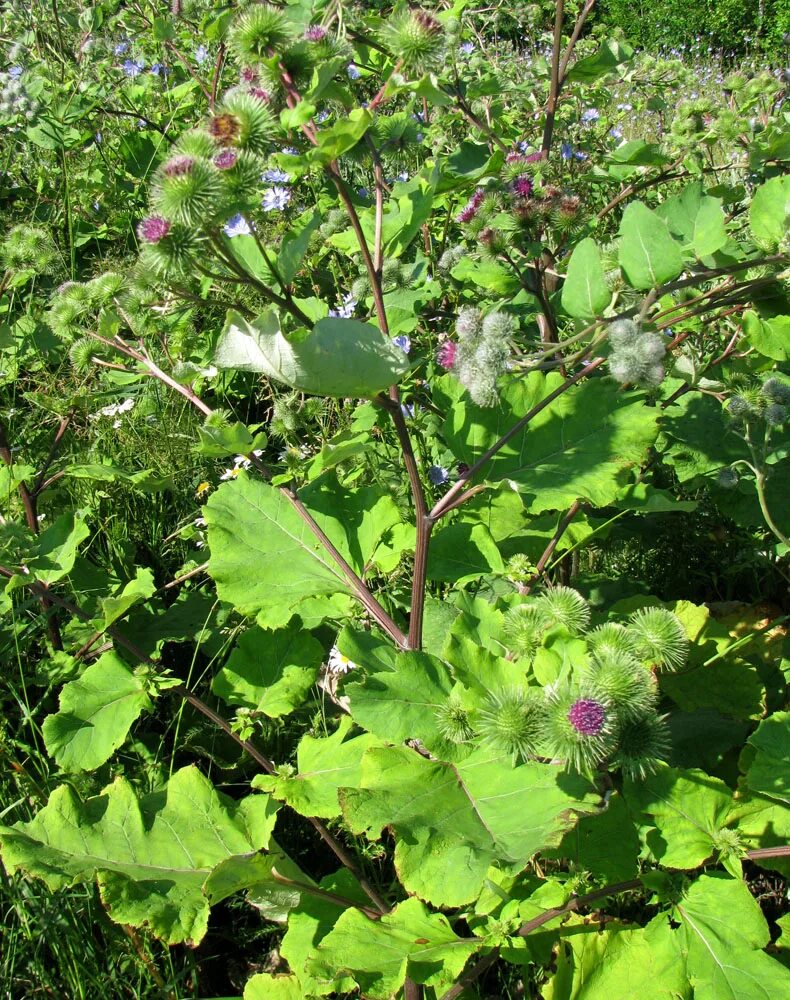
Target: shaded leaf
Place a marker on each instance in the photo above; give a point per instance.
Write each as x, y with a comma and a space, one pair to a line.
270, 672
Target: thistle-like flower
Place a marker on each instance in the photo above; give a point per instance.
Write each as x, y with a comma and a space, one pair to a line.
510, 723
578, 728
643, 743
624, 684
610, 639
523, 628
416, 40
566, 607
153, 229
249, 123
454, 721
190, 193
659, 637
260, 31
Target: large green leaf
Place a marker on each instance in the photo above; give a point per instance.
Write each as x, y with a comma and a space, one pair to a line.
615, 963
769, 337
681, 815
96, 711
407, 941
270, 672
340, 357
323, 766
57, 547
152, 856
769, 771
589, 844
585, 293
267, 562
648, 255
398, 700
721, 934
340, 137
581, 446
310, 923
768, 212
263, 986
697, 218
466, 816
462, 551
610, 55
139, 589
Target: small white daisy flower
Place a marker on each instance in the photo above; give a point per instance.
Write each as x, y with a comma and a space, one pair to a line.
338, 663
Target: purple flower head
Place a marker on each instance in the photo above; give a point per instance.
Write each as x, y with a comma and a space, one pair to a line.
315, 33
438, 475
248, 74
276, 199
403, 342
153, 229
261, 94
587, 716
522, 187
515, 158
179, 166
237, 226
471, 208
226, 159
132, 68
446, 354
533, 157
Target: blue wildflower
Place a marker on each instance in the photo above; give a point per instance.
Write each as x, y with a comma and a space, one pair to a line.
276, 176
237, 226
407, 409
467, 48
159, 69
201, 54
403, 342
275, 199
15, 72
132, 68
590, 115
437, 474
122, 47
346, 309
566, 151
353, 72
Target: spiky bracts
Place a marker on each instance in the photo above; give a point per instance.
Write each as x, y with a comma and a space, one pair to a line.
416, 41
259, 32
511, 722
